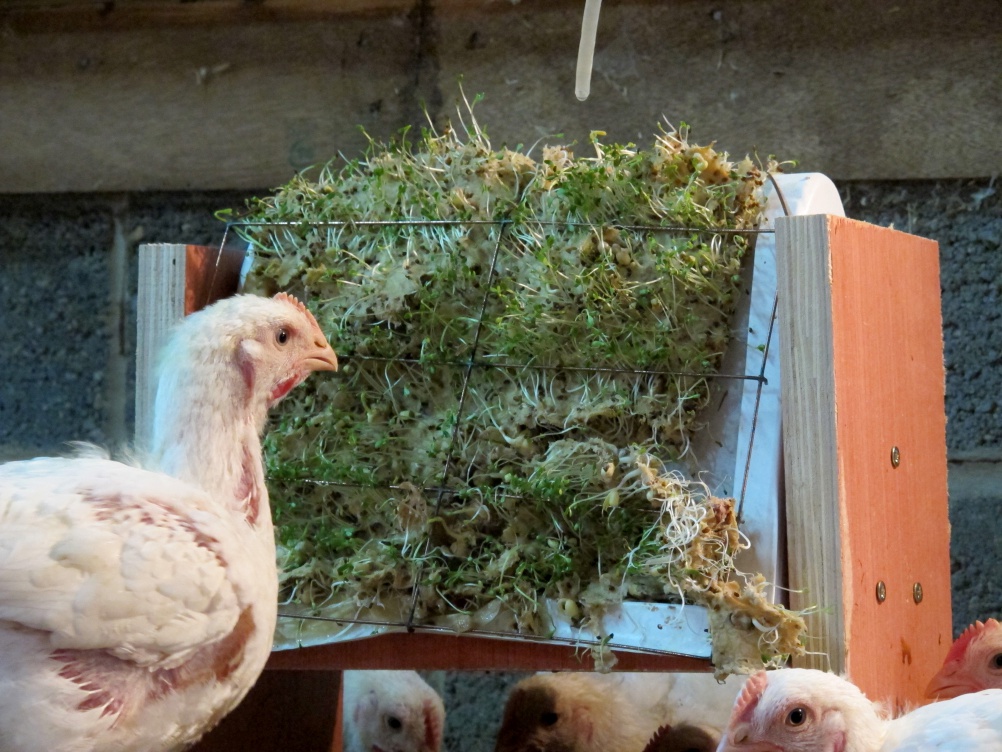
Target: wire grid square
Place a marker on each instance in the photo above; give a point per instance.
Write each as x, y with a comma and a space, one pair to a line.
489, 354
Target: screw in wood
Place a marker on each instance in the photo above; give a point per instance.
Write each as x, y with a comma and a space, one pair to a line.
917, 592
895, 456
881, 592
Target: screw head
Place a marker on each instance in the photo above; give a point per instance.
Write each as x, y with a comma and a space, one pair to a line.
895, 456
881, 592
917, 592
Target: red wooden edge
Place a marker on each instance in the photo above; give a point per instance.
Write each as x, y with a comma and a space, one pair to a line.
429, 652
211, 274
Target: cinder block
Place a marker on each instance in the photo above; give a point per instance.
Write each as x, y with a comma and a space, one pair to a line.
54, 313
976, 539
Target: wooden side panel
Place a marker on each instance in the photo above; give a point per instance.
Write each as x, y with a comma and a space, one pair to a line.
884, 391
888, 344
211, 274
160, 304
337, 739
286, 711
809, 439
423, 651
174, 281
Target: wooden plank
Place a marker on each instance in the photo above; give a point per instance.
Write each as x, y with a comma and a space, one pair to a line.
861, 338
853, 90
160, 304
174, 281
30, 16
337, 740
211, 274
285, 711
422, 651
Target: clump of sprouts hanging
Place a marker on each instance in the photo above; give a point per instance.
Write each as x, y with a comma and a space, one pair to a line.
526, 346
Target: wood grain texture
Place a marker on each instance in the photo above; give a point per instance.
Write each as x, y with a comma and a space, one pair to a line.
423, 651
75, 15
211, 274
174, 281
809, 438
851, 89
878, 382
160, 304
285, 711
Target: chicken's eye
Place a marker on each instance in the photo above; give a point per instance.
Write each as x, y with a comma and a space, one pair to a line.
997, 660
394, 723
796, 717
548, 718
282, 336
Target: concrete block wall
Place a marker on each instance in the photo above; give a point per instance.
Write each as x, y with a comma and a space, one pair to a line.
67, 313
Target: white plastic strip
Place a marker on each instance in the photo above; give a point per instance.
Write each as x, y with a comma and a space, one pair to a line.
586, 49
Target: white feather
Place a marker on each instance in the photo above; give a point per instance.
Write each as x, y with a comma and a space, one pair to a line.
137, 606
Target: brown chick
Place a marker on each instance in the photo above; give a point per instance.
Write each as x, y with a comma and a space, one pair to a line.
572, 713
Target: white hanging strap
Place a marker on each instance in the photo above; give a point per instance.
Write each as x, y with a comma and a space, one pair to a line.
586, 50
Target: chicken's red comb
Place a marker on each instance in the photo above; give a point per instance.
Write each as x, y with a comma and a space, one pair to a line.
747, 701
659, 739
974, 631
293, 300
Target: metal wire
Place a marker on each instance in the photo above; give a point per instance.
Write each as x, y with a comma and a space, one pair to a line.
462, 404
474, 222
441, 490
472, 363
526, 637
762, 380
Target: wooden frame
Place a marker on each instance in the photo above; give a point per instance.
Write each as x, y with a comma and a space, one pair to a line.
861, 370
862, 367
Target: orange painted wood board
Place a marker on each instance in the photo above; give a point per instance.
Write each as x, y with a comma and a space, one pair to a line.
863, 376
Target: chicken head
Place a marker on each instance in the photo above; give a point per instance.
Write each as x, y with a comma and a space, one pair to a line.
974, 662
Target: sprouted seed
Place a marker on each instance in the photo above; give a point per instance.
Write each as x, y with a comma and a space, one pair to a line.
521, 366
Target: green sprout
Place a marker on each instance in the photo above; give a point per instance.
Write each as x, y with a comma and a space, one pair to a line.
527, 346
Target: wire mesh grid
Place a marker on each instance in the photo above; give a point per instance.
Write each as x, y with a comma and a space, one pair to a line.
469, 356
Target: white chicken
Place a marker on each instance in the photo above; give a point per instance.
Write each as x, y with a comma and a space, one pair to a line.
803, 710
391, 711
588, 712
973, 663
137, 607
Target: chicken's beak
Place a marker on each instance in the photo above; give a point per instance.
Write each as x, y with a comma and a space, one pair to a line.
320, 357
946, 685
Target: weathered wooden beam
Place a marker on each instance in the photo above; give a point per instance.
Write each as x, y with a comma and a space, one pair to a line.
861, 353
856, 90
34, 16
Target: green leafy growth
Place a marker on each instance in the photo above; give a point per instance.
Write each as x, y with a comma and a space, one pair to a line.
469, 460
